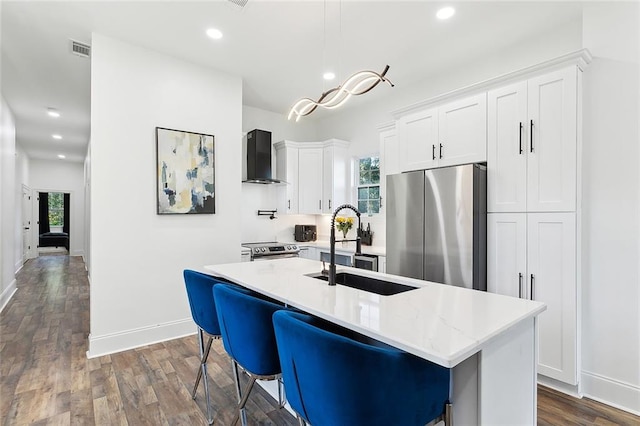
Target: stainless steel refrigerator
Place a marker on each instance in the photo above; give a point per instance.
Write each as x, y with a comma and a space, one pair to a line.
437, 225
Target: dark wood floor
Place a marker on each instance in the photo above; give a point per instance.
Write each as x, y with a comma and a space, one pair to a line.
45, 377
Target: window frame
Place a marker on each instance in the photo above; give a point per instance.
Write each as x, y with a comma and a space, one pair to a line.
358, 185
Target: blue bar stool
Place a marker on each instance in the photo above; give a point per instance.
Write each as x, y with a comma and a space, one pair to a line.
203, 310
247, 335
332, 379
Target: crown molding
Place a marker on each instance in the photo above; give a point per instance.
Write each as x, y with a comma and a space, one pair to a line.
580, 58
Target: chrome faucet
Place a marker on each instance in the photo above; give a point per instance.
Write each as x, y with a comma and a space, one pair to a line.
332, 241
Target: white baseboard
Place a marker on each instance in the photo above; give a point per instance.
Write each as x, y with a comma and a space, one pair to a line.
7, 294
574, 391
77, 253
615, 393
131, 339
18, 266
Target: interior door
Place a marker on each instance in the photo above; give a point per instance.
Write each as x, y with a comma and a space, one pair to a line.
26, 223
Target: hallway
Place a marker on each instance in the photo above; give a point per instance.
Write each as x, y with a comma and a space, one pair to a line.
45, 377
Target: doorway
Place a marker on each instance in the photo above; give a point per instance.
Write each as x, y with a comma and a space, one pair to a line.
54, 222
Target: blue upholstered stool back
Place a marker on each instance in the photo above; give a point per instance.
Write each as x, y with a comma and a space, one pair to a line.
200, 294
334, 380
247, 329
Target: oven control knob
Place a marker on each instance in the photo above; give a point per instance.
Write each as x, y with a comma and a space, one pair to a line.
264, 249
293, 247
288, 247
256, 250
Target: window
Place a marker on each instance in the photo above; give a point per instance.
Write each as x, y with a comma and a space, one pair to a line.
56, 209
369, 185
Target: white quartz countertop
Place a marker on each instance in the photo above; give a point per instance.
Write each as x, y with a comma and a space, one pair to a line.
441, 323
344, 247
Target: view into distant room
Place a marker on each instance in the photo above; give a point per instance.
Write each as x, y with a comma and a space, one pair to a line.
54, 222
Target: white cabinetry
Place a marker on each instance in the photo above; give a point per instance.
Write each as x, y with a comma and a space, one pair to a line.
307, 252
532, 137
287, 170
533, 256
316, 174
389, 158
334, 177
462, 131
310, 180
382, 264
452, 133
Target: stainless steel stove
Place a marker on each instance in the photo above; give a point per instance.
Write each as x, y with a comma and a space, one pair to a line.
272, 250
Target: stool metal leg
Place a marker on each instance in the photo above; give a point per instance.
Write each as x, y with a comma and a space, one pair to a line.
202, 372
243, 401
282, 400
448, 414
236, 377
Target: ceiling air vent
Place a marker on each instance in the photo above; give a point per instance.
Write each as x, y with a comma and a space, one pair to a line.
80, 49
239, 3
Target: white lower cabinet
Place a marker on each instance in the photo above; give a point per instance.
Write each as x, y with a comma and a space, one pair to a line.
533, 256
307, 252
382, 264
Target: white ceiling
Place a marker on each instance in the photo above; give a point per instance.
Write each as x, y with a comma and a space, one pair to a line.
279, 48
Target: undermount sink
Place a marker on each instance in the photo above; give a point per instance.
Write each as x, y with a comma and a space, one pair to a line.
372, 285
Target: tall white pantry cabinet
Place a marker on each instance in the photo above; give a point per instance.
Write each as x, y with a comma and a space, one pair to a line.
531, 119
532, 199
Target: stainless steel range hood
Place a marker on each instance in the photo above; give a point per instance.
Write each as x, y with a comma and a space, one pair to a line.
259, 158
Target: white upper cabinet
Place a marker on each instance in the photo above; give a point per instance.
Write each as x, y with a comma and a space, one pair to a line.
507, 145
310, 171
551, 169
317, 176
389, 159
452, 133
532, 139
462, 131
418, 137
287, 170
335, 180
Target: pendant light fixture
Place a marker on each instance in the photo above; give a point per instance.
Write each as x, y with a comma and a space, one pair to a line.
358, 84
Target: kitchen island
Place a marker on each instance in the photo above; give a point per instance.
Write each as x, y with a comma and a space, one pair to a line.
488, 340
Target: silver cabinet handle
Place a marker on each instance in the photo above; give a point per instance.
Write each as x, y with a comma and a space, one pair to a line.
320, 204
531, 134
289, 204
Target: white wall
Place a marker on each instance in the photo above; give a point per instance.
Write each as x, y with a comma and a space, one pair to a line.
61, 176
22, 178
137, 256
611, 206
358, 124
264, 197
7, 202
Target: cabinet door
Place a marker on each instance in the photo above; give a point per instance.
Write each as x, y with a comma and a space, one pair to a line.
418, 139
287, 170
551, 169
389, 161
507, 149
552, 280
462, 131
310, 180
334, 180
382, 264
507, 254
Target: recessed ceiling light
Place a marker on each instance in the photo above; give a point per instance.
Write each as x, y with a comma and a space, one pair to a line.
214, 33
328, 75
56, 137
446, 12
53, 113
60, 156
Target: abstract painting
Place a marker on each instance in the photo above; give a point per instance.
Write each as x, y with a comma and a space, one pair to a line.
185, 172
